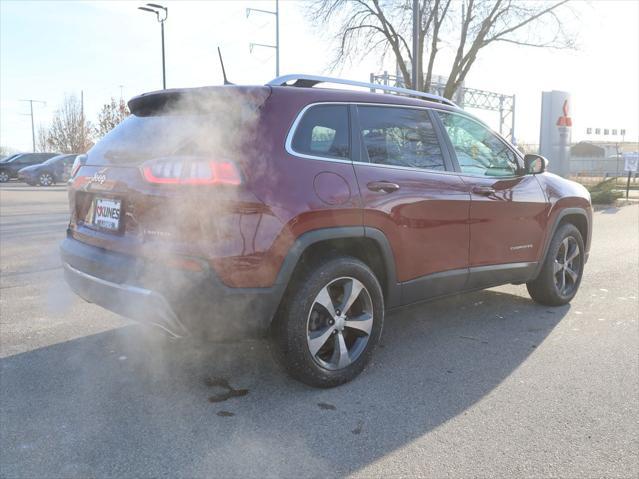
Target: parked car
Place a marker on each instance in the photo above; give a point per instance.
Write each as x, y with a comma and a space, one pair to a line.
9, 169
10, 157
54, 170
305, 213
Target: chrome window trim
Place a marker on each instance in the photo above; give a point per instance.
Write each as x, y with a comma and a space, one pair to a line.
409, 168
291, 133
293, 129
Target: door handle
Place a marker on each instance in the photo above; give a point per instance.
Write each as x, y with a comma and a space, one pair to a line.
484, 190
385, 186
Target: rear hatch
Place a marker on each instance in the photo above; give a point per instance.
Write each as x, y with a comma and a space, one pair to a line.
171, 177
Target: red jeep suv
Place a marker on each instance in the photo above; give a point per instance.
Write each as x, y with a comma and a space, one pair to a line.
307, 212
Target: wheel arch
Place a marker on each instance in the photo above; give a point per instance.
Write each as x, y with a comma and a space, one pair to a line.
578, 217
580, 221
369, 245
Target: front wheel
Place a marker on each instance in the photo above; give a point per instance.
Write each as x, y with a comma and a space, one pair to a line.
562, 270
330, 322
45, 179
4, 176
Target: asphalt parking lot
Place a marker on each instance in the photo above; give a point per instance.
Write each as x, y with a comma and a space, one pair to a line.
486, 384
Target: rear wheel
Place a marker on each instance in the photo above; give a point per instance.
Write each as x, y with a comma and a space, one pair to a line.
45, 179
562, 270
4, 177
330, 322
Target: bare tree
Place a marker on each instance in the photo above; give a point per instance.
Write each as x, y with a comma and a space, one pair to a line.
70, 132
384, 27
42, 144
111, 115
6, 151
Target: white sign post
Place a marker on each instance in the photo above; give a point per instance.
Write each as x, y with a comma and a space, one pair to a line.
631, 165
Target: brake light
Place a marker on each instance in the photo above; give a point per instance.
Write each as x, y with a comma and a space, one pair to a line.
77, 164
192, 172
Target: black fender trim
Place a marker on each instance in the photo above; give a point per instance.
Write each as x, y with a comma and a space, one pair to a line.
392, 288
561, 215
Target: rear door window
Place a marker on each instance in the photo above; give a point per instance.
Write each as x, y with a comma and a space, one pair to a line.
399, 137
323, 132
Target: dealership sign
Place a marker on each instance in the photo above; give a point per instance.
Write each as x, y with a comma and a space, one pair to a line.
631, 162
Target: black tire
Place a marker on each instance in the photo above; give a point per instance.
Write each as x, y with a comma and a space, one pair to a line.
547, 288
4, 177
46, 179
295, 325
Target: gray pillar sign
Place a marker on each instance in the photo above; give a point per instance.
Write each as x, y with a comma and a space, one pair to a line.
555, 131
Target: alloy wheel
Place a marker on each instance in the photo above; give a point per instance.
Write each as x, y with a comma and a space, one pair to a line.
339, 323
4, 177
46, 179
567, 266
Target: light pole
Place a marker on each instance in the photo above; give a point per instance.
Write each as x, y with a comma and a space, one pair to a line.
277, 33
161, 13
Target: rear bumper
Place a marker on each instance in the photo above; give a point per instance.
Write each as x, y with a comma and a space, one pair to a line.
131, 301
180, 302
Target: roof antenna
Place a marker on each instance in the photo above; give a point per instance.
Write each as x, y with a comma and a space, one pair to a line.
226, 81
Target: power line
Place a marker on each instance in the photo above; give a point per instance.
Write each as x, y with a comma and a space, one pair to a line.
277, 33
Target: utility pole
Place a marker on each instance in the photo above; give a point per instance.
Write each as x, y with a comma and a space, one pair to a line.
84, 140
277, 33
277, 38
416, 53
32, 123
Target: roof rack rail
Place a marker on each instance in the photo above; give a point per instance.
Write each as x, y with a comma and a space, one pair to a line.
308, 81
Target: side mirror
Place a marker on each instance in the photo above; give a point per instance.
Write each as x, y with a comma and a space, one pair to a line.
535, 164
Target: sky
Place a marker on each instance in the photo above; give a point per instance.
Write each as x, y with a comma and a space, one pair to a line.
106, 49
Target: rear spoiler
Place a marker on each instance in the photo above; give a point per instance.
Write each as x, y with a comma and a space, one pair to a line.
198, 100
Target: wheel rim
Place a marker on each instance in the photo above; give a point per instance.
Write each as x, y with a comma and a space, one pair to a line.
339, 323
4, 177
567, 267
45, 179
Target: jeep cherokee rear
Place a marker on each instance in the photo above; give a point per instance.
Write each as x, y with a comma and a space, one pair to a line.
306, 213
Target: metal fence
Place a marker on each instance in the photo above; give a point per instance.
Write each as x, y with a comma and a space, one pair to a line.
597, 166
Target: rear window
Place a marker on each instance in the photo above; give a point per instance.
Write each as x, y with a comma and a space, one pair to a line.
138, 139
217, 125
323, 132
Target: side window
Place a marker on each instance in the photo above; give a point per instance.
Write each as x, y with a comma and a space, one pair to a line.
323, 131
400, 137
478, 150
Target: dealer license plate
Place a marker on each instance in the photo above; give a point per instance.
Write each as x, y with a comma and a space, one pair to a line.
106, 213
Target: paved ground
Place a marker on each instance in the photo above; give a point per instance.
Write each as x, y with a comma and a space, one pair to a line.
487, 384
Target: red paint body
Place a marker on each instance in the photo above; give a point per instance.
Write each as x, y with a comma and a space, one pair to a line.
434, 223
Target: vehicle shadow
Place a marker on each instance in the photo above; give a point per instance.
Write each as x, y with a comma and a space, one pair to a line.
128, 403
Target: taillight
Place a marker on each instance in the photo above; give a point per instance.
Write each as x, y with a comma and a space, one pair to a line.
77, 164
198, 172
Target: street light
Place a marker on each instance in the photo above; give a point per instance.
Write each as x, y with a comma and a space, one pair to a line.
161, 13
